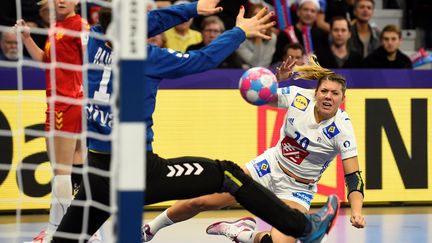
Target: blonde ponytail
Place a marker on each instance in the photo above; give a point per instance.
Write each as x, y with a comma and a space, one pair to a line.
312, 70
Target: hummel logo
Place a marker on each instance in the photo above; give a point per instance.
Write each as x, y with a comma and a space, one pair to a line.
184, 169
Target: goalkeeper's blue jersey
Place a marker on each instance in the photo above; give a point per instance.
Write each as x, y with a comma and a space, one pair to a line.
99, 84
161, 63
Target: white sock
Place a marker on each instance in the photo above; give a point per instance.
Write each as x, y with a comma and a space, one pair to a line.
161, 221
61, 197
247, 236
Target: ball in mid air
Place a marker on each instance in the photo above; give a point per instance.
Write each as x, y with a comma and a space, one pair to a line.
258, 86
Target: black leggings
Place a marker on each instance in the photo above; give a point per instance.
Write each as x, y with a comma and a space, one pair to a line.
216, 176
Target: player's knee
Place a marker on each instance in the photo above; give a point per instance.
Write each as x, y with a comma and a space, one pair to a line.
62, 186
234, 177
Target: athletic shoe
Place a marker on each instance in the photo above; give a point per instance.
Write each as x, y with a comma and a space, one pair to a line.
146, 234
322, 221
96, 238
42, 237
232, 229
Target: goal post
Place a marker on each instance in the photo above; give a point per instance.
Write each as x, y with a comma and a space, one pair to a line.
130, 24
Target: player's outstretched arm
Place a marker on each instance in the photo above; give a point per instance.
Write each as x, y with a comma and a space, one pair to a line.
170, 64
257, 25
35, 52
160, 20
208, 7
285, 70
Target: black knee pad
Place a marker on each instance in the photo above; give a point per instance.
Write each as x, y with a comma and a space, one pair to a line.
234, 177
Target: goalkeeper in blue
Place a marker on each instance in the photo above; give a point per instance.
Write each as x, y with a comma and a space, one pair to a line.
209, 175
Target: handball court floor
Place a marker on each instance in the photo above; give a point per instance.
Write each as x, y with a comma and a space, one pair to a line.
384, 224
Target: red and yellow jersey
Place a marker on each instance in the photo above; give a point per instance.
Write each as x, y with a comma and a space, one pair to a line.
67, 49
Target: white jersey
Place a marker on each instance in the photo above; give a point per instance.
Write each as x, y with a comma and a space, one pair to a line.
306, 147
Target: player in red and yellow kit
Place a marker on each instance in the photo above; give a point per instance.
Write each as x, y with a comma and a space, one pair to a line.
64, 91
65, 82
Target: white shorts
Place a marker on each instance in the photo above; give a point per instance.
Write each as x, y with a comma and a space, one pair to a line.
265, 170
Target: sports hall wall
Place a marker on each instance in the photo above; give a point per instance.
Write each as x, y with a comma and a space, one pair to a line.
204, 115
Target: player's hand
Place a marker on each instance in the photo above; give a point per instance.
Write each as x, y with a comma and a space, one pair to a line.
208, 7
285, 70
257, 25
358, 221
22, 26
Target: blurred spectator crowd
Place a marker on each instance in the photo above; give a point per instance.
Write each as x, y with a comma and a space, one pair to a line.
339, 32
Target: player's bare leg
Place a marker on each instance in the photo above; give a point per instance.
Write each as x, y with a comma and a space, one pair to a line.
234, 230
61, 152
185, 209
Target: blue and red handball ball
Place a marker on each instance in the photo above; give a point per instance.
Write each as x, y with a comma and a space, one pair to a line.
258, 86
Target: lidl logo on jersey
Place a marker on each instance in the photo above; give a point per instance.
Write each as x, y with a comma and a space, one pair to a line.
262, 168
300, 102
331, 130
306, 197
